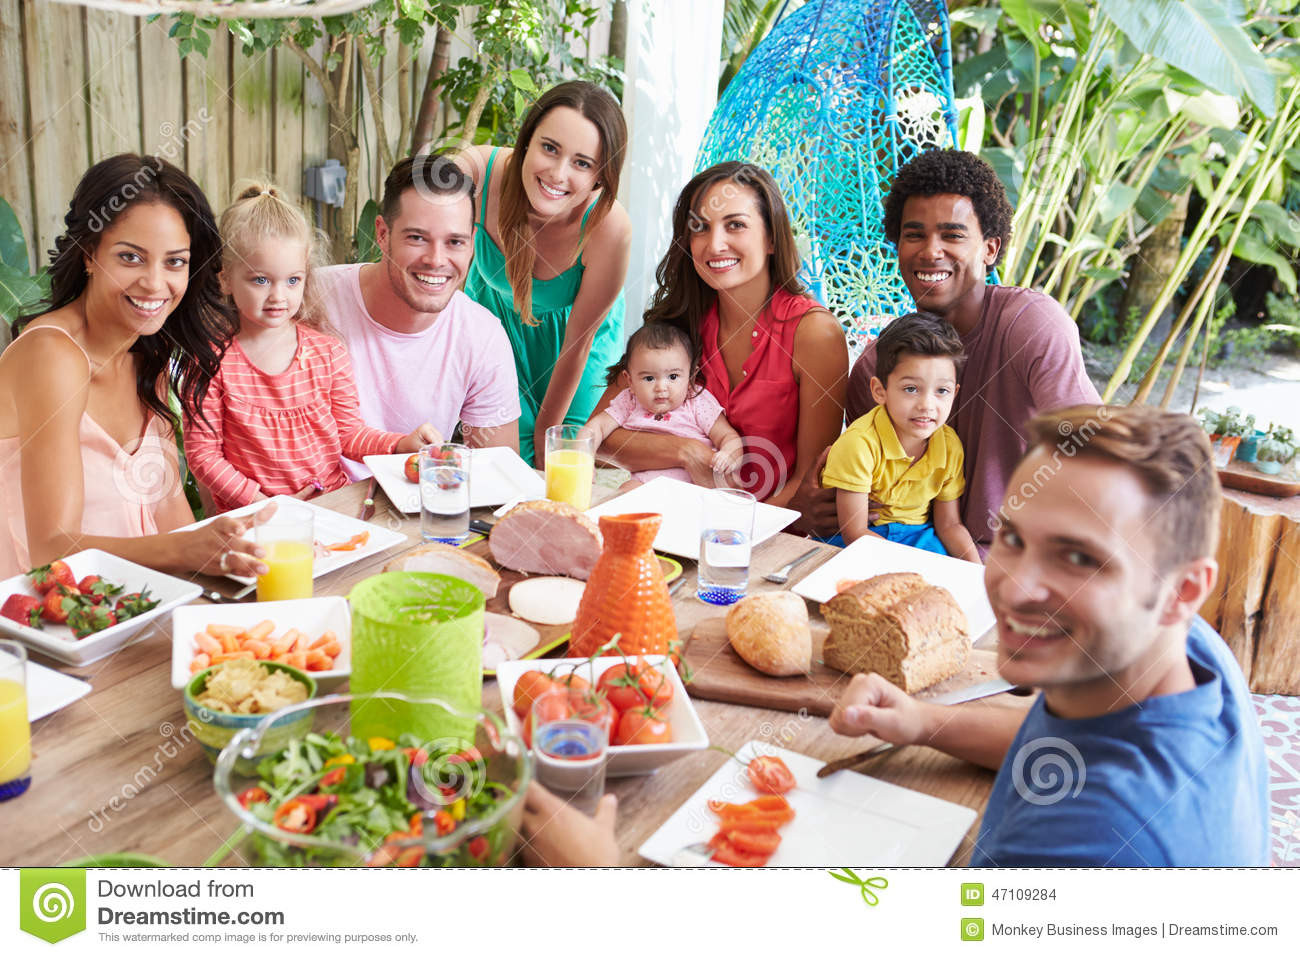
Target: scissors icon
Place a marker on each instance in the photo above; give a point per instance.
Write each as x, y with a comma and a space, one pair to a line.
868, 895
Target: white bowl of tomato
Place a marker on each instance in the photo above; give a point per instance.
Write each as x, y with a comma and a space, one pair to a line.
653, 720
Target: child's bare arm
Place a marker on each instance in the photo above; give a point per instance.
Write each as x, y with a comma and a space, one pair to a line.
954, 535
600, 426
852, 509
730, 446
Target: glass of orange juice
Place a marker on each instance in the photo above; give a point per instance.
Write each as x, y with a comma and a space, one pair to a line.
15, 732
288, 538
570, 465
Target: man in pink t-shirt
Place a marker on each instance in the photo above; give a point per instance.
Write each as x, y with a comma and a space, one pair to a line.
423, 351
949, 217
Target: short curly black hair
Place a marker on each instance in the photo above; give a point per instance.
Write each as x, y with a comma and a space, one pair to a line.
957, 172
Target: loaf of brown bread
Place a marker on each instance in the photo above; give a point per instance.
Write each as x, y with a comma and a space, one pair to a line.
899, 626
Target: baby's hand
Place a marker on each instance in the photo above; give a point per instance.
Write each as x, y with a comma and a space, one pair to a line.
424, 435
726, 461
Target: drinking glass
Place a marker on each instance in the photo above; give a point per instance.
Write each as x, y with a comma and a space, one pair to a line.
444, 493
289, 539
726, 535
15, 732
570, 465
570, 744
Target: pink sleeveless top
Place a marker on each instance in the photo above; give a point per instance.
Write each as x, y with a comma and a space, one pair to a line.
124, 493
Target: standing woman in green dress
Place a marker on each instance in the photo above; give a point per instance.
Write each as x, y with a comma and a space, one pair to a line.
551, 253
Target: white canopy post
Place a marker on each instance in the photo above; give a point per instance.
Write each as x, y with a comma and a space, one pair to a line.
673, 63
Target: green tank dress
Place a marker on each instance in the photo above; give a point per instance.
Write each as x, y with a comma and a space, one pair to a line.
538, 347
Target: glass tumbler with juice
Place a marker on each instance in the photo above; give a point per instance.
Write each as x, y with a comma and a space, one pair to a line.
289, 540
570, 465
15, 732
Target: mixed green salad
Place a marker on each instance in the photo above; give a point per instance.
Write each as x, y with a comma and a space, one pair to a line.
379, 797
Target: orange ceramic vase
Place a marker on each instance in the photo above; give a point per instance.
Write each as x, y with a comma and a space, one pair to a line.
626, 594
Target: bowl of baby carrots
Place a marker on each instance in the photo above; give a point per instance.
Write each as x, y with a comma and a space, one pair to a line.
313, 635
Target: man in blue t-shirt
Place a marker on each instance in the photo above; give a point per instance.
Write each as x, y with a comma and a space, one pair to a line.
1143, 748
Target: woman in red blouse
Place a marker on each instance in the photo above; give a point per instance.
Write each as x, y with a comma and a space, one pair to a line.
773, 357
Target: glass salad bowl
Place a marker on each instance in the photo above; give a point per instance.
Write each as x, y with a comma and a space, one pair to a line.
326, 798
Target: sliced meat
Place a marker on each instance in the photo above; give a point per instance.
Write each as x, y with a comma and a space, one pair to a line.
510, 637
449, 560
547, 538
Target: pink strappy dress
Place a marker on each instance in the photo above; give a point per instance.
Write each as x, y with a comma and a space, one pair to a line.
124, 492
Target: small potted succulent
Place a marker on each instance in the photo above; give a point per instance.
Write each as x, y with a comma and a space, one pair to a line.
1276, 450
1226, 430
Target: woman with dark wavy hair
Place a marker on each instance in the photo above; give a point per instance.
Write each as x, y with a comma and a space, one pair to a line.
87, 449
774, 358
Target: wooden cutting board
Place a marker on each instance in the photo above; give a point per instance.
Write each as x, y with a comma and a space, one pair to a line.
719, 674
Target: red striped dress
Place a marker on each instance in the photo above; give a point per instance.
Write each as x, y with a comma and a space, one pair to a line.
277, 434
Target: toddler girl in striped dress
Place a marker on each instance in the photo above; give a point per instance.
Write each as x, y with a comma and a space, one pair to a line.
283, 409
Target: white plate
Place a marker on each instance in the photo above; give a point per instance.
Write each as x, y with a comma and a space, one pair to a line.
682, 506
49, 690
496, 475
58, 642
310, 615
871, 555
688, 733
330, 527
845, 819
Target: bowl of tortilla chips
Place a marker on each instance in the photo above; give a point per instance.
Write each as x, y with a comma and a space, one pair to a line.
226, 698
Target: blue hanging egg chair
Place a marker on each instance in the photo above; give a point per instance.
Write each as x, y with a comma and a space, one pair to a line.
837, 96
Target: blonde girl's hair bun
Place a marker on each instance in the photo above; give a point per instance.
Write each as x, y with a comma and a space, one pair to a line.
261, 211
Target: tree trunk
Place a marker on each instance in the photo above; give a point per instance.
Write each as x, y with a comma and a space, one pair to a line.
430, 100
618, 30
1155, 260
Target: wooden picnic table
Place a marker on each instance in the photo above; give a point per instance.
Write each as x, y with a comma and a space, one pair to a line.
117, 771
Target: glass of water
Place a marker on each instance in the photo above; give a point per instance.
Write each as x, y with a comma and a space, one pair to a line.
726, 534
570, 744
444, 493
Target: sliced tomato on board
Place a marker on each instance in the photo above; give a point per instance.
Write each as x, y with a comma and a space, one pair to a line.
770, 775
753, 842
725, 852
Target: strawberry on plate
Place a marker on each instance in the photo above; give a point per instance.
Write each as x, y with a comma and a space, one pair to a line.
97, 589
23, 609
86, 619
135, 603
57, 572
59, 603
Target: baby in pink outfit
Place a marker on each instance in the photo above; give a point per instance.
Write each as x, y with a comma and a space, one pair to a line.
663, 396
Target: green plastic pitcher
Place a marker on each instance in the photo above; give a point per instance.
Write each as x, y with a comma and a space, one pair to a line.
421, 634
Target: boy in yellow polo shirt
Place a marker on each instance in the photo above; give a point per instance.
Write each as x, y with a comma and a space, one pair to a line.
900, 456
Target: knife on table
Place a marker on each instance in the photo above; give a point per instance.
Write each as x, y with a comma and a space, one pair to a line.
368, 504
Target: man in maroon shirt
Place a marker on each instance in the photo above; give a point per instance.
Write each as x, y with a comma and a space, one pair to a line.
949, 217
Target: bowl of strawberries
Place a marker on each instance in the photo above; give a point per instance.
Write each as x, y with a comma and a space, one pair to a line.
80, 608
652, 721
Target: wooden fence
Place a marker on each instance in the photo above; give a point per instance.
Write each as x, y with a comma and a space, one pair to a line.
79, 85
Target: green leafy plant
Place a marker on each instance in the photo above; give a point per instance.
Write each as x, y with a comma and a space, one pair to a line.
1279, 446
1211, 420
20, 289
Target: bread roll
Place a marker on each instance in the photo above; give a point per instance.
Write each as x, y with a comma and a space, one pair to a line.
899, 626
771, 632
449, 560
